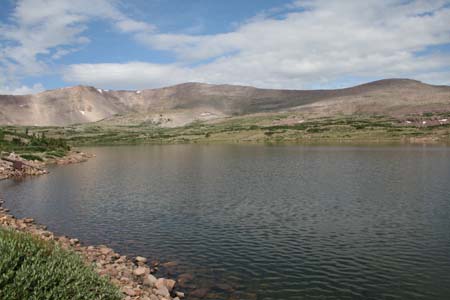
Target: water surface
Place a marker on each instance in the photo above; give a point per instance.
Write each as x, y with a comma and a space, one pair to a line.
262, 222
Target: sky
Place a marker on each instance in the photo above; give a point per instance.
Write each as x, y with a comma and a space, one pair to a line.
290, 44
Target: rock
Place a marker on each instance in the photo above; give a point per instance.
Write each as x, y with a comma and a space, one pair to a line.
170, 264
163, 291
199, 293
160, 282
105, 250
141, 259
154, 263
224, 287
129, 291
170, 284
154, 297
125, 279
141, 271
184, 279
149, 280
179, 294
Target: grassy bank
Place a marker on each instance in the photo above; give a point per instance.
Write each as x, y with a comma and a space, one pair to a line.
31, 145
273, 128
33, 269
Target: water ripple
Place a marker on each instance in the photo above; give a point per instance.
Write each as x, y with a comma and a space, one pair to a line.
257, 222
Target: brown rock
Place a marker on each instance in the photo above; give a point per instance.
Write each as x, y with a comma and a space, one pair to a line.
129, 291
149, 280
170, 284
105, 250
170, 264
199, 293
141, 259
163, 291
141, 271
74, 241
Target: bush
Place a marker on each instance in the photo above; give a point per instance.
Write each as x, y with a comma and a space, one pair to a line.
31, 157
56, 153
33, 269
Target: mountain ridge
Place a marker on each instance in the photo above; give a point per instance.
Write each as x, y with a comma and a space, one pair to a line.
181, 104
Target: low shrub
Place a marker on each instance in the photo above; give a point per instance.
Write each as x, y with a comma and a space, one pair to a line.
33, 269
31, 157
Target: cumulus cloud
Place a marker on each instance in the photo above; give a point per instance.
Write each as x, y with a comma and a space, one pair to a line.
305, 44
317, 42
21, 90
136, 75
44, 30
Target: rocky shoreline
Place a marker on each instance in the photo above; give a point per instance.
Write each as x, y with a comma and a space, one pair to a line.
132, 276
36, 167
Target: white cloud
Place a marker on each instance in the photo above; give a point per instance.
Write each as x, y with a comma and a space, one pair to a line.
137, 75
317, 42
301, 45
46, 30
21, 90
128, 25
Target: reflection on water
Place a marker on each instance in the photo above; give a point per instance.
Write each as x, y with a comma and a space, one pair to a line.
262, 222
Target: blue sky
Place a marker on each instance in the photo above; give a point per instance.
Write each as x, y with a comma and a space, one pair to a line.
295, 44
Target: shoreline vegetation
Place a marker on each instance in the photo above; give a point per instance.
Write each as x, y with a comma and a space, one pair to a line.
428, 128
37, 264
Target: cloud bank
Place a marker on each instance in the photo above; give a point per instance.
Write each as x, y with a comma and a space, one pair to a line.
314, 43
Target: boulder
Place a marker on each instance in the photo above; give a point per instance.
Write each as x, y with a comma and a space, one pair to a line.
170, 284
149, 280
141, 271
163, 291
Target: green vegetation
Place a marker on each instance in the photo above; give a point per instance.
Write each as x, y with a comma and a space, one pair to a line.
33, 269
272, 128
31, 145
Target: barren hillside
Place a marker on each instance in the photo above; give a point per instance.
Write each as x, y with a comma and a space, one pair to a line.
184, 103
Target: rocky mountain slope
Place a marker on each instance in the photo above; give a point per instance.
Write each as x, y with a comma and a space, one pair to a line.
181, 104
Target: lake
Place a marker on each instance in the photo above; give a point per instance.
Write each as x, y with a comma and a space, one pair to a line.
262, 222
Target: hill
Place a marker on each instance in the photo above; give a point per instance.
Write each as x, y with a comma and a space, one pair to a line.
181, 104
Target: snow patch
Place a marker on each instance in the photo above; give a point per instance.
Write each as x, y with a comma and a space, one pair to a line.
138, 92
100, 91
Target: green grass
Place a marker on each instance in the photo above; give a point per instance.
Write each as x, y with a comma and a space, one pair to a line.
34, 269
31, 144
251, 129
31, 156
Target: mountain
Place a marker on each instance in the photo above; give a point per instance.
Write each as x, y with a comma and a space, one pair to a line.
181, 104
